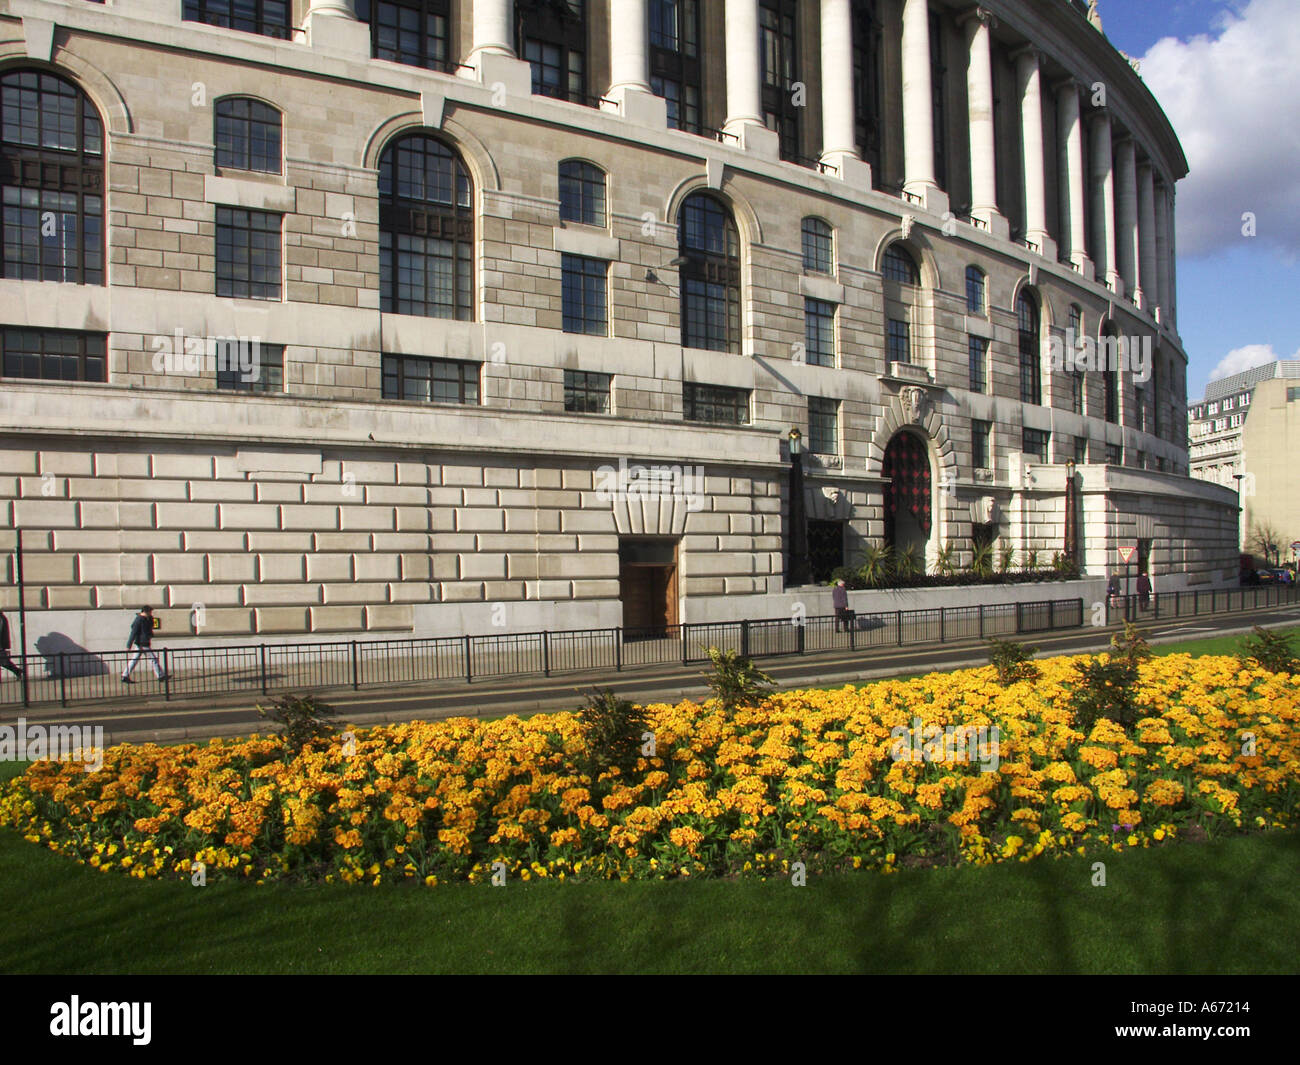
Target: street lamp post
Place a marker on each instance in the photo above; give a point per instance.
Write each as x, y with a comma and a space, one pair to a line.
1238, 478
1071, 517
797, 567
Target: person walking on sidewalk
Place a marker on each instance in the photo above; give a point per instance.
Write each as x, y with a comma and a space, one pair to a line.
840, 601
5, 660
141, 636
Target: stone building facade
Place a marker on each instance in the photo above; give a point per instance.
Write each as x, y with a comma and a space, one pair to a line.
485, 263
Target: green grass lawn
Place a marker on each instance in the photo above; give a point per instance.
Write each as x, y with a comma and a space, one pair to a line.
1224, 907
1228, 906
1217, 645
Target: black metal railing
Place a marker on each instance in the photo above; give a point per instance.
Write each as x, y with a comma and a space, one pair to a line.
83, 676
1135, 606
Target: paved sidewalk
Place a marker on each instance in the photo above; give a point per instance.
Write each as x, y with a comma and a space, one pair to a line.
142, 720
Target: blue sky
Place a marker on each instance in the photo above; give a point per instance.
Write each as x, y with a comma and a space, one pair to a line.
1237, 301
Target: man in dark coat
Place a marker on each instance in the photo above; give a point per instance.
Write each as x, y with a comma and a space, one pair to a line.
141, 636
5, 660
1144, 591
840, 601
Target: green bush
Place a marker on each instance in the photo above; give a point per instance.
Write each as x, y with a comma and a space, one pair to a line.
945, 561
982, 562
908, 562
1012, 660
301, 719
613, 730
1130, 645
1106, 687
877, 565
1006, 558
735, 681
1270, 650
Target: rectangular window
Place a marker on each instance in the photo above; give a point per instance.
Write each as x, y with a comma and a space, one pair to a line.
675, 61
1076, 391
818, 251
1035, 443
823, 426
554, 37
584, 289
1031, 384
981, 433
53, 355
267, 376
898, 341
777, 69
423, 380
819, 331
1115, 454
269, 18
1080, 450
977, 352
938, 92
414, 32
712, 403
586, 393
248, 254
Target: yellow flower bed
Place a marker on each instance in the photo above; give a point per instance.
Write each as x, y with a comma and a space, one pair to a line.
807, 776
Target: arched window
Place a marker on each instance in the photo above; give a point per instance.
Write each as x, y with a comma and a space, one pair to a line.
708, 242
818, 247
51, 180
898, 265
976, 291
582, 193
552, 37
247, 135
1031, 379
426, 230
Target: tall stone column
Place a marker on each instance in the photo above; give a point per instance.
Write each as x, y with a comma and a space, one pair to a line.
839, 132
1162, 251
1173, 258
1147, 282
332, 26
492, 59
1031, 135
1126, 208
1072, 178
629, 64
493, 33
744, 95
979, 96
918, 101
1103, 206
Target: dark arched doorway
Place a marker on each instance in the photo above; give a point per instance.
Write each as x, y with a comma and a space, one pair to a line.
908, 495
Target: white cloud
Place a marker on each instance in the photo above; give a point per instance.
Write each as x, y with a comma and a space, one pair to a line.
1245, 358
1232, 98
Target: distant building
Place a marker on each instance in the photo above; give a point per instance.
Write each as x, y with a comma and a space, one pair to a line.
1270, 444
1216, 426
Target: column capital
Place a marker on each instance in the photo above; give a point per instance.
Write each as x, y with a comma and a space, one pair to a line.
977, 15
1026, 52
